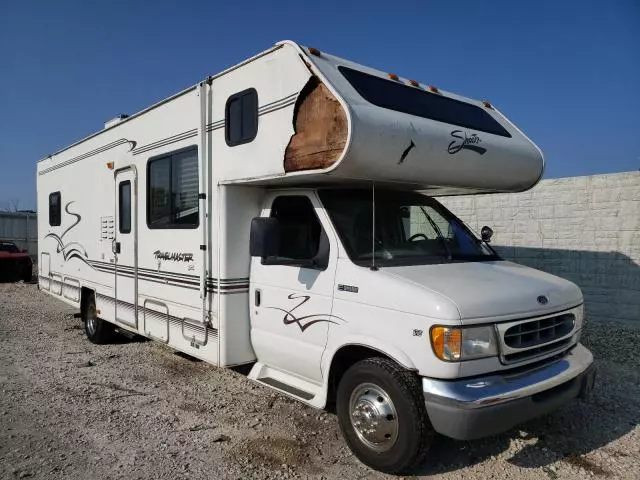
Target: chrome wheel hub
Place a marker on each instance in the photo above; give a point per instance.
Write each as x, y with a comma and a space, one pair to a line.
91, 321
373, 417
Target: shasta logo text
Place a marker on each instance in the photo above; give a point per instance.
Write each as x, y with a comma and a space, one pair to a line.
463, 142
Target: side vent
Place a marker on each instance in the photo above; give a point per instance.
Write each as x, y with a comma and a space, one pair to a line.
107, 229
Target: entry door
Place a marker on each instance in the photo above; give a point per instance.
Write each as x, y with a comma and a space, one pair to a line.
291, 305
125, 248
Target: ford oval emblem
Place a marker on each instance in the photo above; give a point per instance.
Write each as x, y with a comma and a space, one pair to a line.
542, 300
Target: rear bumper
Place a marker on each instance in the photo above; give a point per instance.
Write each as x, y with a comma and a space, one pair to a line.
479, 407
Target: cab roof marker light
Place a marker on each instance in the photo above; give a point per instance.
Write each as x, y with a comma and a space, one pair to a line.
414, 83
393, 76
487, 104
433, 89
314, 51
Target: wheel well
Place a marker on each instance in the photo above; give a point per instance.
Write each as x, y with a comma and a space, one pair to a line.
342, 360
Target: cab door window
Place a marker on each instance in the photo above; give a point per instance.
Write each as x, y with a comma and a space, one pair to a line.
300, 229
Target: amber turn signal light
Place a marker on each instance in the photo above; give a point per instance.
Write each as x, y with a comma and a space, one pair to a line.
447, 343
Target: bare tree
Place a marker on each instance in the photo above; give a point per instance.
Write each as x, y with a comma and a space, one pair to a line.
11, 205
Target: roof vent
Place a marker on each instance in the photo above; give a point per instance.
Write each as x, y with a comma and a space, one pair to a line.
115, 120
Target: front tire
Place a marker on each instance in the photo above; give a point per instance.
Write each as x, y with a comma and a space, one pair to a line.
97, 330
382, 415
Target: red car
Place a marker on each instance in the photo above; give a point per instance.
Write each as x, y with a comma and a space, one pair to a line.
15, 264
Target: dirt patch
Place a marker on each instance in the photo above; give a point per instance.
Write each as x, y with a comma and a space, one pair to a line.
276, 452
194, 407
586, 464
179, 365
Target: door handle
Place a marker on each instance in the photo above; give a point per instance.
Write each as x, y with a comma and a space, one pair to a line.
115, 247
257, 297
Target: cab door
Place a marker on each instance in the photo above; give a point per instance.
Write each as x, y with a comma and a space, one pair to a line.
291, 298
125, 248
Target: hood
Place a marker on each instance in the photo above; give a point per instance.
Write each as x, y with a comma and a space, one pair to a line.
491, 291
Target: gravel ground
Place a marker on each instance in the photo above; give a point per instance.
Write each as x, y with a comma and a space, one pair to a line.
136, 409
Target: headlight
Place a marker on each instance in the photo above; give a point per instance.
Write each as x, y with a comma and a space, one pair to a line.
455, 344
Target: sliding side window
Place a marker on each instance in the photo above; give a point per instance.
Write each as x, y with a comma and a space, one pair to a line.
241, 117
172, 190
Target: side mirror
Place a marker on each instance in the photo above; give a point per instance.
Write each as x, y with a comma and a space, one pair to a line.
486, 233
264, 239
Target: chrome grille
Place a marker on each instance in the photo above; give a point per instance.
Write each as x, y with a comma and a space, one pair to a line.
539, 332
537, 351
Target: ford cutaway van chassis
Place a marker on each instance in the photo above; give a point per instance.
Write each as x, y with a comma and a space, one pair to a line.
281, 214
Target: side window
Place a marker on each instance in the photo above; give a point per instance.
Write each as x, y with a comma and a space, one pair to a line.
241, 117
172, 190
300, 228
55, 210
124, 206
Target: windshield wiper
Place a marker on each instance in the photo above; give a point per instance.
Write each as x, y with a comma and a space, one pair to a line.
440, 236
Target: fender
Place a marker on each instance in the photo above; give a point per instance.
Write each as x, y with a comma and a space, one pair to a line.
373, 343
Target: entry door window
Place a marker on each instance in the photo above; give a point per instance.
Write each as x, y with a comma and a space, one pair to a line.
299, 228
124, 212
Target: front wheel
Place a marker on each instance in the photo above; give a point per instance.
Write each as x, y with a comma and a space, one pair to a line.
382, 415
97, 330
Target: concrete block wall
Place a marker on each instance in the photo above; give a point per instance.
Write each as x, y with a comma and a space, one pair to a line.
585, 229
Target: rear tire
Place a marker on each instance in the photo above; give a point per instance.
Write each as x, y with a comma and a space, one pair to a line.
383, 417
97, 330
27, 275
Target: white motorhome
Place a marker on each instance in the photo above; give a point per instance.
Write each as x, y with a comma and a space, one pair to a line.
280, 214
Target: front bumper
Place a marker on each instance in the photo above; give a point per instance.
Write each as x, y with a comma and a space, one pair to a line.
483, 406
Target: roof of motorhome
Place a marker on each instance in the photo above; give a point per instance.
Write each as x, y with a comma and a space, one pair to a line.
278, 45
372, 126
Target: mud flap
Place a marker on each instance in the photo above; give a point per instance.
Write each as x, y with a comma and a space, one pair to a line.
588, 382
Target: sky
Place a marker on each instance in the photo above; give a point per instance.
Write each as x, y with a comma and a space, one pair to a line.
566, 72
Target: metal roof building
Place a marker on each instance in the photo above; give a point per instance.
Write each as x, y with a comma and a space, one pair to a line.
21, 228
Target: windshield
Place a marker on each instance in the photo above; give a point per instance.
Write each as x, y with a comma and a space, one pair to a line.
8, 247
410, 229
